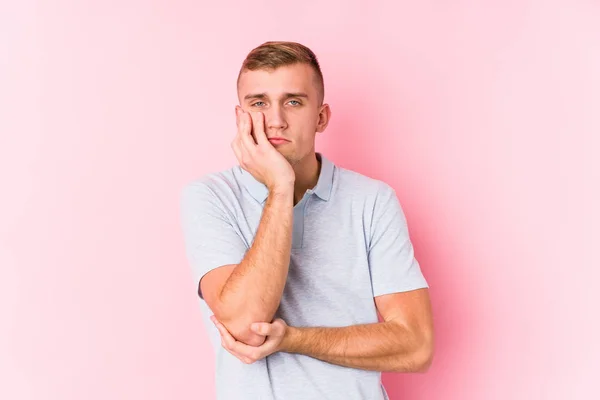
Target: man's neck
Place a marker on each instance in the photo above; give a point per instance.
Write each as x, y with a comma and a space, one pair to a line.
307, 175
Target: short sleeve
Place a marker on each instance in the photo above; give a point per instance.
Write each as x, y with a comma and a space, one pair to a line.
392, 263
209, 237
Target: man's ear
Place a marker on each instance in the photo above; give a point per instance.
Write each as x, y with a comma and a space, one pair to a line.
324, 117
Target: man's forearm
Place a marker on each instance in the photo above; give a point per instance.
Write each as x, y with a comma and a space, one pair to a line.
385, 346
256, 284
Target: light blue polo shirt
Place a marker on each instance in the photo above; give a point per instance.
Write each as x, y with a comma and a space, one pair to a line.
350, 243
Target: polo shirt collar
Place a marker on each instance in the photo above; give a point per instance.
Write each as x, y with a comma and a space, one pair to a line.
322, 189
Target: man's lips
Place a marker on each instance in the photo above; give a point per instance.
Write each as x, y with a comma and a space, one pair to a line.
277, 140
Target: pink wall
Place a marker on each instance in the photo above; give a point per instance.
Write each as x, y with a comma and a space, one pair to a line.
484, 115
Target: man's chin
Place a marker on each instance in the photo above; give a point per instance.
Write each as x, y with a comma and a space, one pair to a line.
292, 160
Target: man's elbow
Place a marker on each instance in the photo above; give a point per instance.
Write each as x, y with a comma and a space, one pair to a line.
244, 334
423, 361
239, 328
423, 356
236, 323
418, 360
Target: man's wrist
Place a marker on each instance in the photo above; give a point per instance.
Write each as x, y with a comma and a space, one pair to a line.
282, 189
290, 339
282, 195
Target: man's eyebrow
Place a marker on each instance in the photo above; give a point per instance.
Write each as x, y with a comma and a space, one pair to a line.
255, 96
264, 95
298, 94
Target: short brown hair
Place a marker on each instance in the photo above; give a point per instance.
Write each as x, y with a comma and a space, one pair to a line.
272, 55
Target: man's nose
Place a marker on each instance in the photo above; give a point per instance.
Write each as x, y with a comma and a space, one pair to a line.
275, 118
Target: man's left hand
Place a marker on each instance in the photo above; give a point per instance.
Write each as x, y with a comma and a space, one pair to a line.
275, 332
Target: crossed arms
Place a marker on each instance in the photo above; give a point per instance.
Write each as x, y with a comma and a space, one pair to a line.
245, 296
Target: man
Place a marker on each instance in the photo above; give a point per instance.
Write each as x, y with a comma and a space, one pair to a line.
294, 257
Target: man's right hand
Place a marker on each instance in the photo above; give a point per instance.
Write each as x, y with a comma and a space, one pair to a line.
259, 157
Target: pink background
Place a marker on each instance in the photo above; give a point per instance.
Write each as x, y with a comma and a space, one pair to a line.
483, 115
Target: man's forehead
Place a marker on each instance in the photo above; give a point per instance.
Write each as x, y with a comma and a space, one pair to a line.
276, 82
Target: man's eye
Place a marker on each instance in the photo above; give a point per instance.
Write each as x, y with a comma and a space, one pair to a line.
295, 101
255, 104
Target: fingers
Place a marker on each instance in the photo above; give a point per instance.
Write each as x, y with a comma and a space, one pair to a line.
242, 143
251, 124
226, 337
275, 328
246, 124
263, 328
258, 123
235, 145
241, 357
229, 343
246, 143
247, 354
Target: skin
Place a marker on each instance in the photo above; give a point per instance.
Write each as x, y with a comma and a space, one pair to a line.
250, 291
270, 93
404, 341
284, 103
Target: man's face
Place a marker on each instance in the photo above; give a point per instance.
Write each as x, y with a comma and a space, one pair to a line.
289, 99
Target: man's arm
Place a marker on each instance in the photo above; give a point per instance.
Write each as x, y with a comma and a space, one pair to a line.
385, 346
402, 343
253, 289
328, 344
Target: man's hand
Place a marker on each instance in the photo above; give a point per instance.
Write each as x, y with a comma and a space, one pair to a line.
259, 157
275, 332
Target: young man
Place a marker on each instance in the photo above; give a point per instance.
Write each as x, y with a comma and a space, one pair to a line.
294, 256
